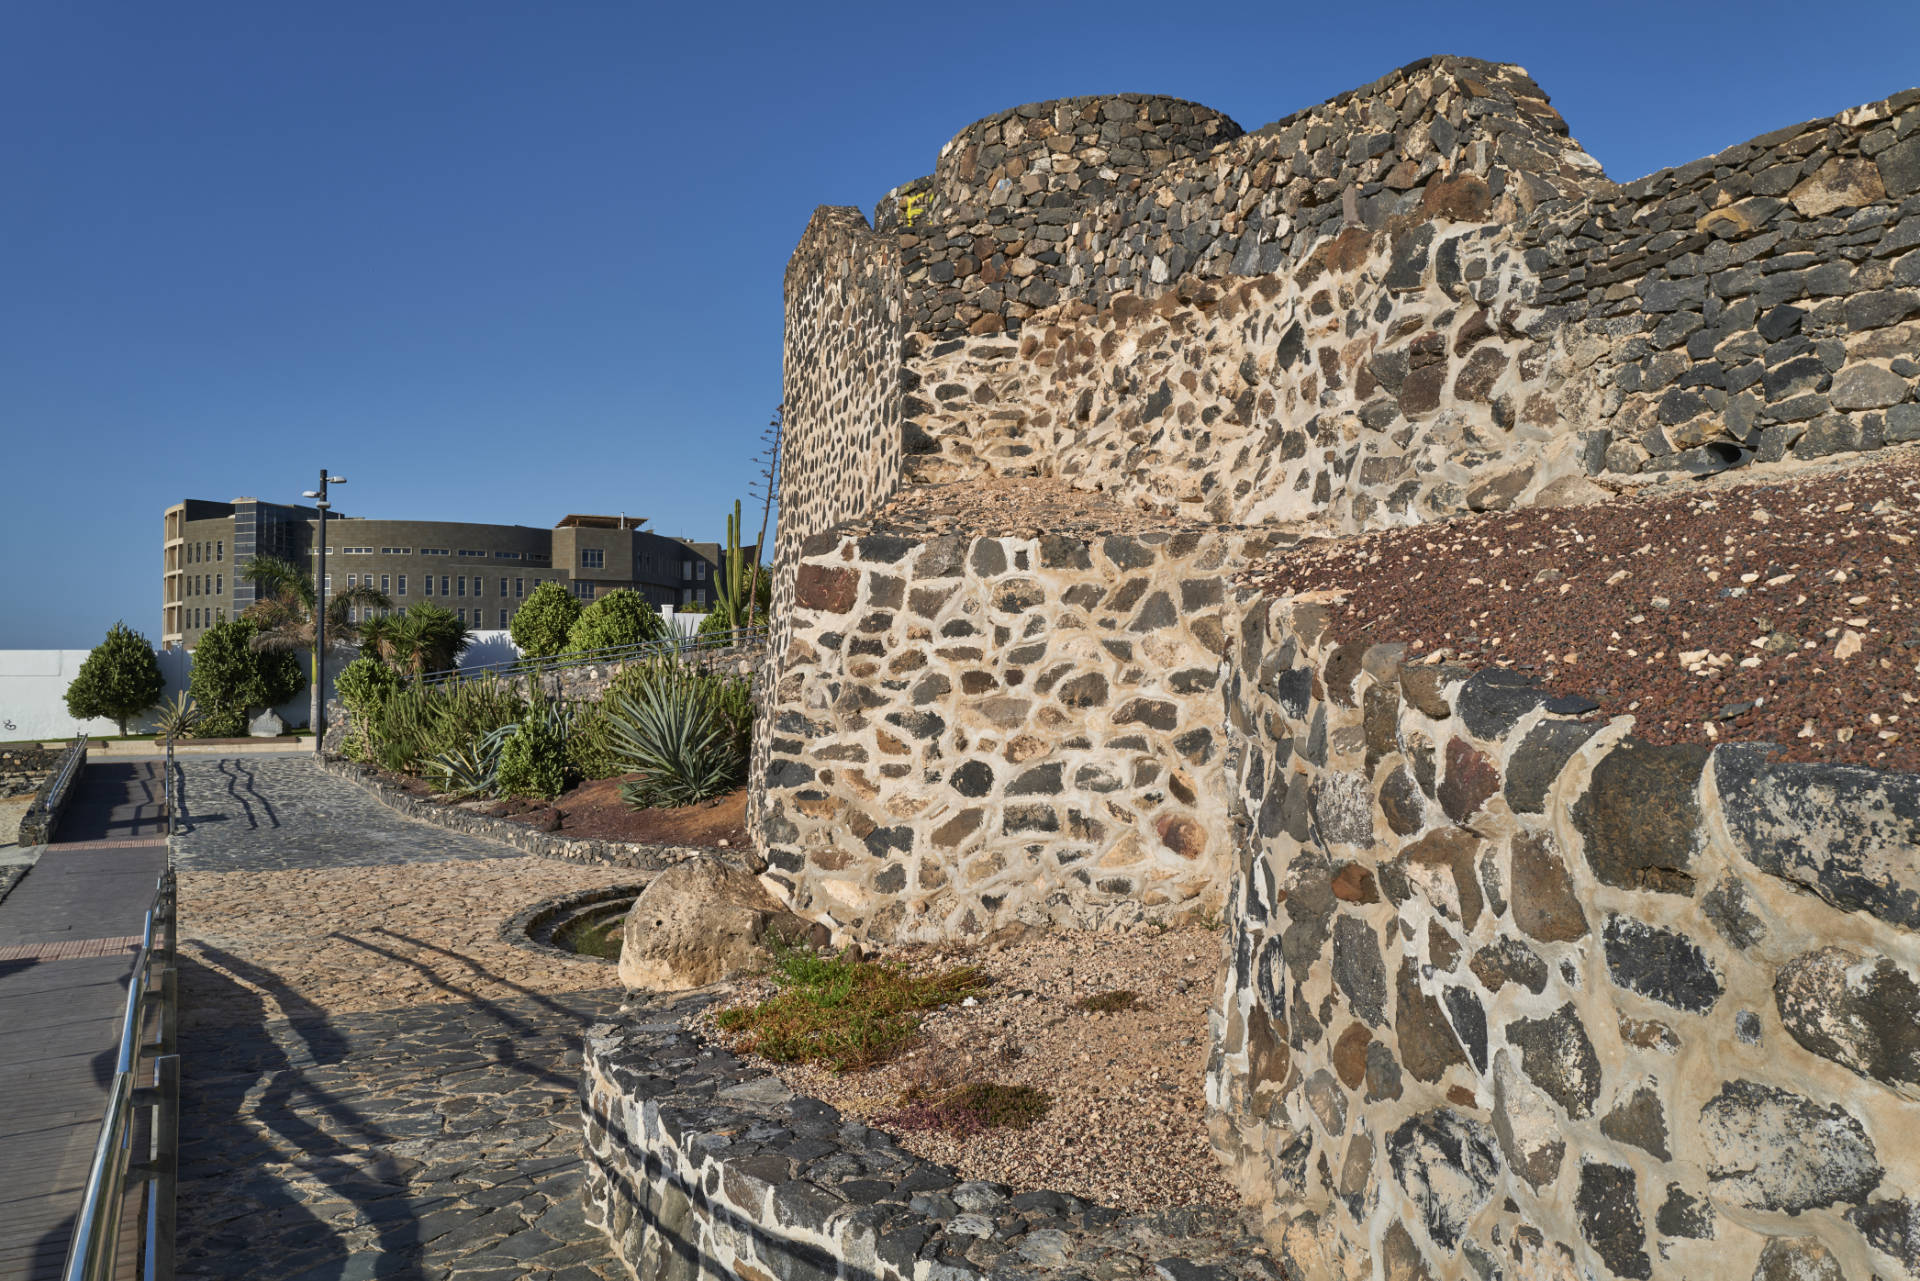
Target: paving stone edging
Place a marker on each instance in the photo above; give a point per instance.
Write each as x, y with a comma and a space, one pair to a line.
700, 1166
50, 800
635, 855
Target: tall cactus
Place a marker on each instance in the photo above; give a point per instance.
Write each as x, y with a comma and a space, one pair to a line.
736, 595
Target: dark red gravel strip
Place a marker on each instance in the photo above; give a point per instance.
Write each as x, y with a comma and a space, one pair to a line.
1782, 612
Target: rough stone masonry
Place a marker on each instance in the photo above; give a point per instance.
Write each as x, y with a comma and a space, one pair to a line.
1508, 991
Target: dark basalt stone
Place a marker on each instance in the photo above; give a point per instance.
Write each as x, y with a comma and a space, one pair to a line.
1428, 1046
1609, 1212
1684, 1215
1447, 1163
1358, 970
1862, 1012
1841, 831
1640, 1120
1470, 779
1542, 754
1494, 699
1469, 1024
1556, 1055
1661, 964
1505, 960
1640, 816
1726, 906
1891, 1227
1401, 802
1771, 1149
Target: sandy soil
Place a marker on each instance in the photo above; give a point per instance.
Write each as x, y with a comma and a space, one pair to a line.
594, 811
1126, 1126
370, 938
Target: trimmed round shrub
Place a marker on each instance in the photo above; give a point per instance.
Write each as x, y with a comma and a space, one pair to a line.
539, 627
232, 680
620, 618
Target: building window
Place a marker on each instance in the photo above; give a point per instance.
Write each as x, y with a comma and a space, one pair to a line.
403, 586
426, 587
503, 587
461, 579
353, 580
503, 620
700, 595
443, 586
700, 572
220, 549
519, 588
219, 584
592, 558
506, 555
328, 585
386, 583
433, 551
686, 571
396, 551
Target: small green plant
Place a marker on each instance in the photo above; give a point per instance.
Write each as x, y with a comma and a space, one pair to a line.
847, 1013
686, 734
972, 1108
119, 680
533, 761
590, 745
1107, 1002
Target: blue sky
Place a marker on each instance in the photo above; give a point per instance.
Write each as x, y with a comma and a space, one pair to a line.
506, 261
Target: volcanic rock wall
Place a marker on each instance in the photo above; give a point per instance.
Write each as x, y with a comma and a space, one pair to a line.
1509, 990
973, 730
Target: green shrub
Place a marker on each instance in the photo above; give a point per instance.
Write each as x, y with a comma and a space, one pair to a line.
232, 680
119, 680
686, 734
620, 618
540, 626
590, 745
418, 725
533, 761
364, 686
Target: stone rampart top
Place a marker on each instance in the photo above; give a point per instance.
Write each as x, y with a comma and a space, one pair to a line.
1071, 150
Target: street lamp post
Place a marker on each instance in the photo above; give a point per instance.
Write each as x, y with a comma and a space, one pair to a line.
316, 715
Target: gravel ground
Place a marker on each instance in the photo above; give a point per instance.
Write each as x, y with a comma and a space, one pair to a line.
1780, 612
372, 939
1014, 506
1127, 1124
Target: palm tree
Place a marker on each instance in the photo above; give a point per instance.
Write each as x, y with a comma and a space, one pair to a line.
424, 638
283, 608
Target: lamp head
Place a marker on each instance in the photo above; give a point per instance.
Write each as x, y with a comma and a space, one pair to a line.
309, 493
336, 480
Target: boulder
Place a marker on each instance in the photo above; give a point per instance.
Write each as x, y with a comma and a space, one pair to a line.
267, 725
701, 922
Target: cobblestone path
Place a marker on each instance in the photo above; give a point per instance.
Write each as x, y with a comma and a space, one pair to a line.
325, 1141
266, 813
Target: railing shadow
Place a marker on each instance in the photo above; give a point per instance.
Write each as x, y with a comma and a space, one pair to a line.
225, 1108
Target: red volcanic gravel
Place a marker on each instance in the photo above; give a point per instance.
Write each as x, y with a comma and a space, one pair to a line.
1780, 612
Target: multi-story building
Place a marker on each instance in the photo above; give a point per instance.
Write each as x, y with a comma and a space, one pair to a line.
481, 572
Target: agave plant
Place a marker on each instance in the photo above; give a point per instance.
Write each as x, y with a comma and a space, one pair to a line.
472, 769
177, 719
683, 734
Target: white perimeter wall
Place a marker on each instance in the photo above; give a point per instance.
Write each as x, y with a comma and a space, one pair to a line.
33, 693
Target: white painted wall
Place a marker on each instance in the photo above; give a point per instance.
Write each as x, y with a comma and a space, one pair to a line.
33, 693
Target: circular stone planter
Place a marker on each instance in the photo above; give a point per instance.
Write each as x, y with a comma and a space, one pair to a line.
557, 926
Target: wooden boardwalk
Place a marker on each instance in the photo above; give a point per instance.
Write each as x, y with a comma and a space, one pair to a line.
68, 935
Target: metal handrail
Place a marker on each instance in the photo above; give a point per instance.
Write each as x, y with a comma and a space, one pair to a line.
94, 1252
166, 785
76, 753
739, 637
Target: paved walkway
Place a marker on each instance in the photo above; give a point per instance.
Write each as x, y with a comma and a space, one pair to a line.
68, 933
436, 1139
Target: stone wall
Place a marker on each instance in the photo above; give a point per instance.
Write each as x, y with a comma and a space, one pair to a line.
972, 730
50, 797
1432, 329
700, 1168
1512, 991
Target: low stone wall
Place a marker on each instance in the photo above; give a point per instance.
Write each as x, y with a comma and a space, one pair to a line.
643, 857
50, 798
1510, 989
700, 1167
973, 730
